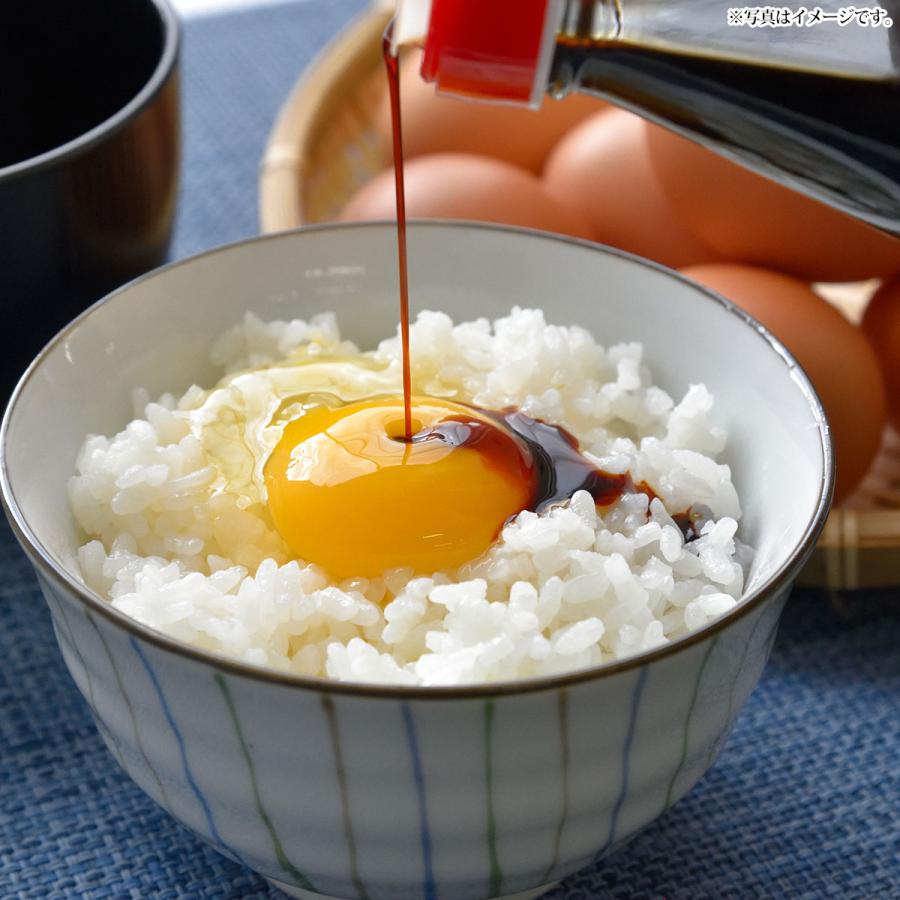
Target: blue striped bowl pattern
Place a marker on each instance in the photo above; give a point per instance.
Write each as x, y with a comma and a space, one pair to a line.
408, 799
384, 794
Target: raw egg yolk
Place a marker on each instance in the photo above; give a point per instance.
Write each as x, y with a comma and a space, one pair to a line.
349, 492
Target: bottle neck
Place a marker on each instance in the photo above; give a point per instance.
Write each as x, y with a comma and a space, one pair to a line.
590, 21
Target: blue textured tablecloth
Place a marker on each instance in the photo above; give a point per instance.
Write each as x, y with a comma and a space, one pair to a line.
803, 803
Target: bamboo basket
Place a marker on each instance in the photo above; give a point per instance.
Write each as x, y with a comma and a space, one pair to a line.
323, 147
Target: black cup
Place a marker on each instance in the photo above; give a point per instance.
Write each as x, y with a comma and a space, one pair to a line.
89, 158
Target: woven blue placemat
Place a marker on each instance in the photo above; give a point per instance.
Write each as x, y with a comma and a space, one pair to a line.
804, 801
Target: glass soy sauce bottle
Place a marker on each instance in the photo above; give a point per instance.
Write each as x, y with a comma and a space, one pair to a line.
809, 97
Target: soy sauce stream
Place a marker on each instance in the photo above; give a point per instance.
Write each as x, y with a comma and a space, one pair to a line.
392, 65
558, 466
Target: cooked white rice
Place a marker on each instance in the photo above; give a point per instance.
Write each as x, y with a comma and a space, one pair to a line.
575, 587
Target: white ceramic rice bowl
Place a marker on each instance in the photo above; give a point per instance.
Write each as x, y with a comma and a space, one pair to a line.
462, 793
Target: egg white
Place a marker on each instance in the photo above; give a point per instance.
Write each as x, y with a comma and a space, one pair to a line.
240, 421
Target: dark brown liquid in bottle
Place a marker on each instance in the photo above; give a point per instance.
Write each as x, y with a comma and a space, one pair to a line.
836, 138
392, 66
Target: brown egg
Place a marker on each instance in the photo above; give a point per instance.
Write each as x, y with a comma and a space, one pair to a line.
881, 325
602, 168
833, 352
461, 186
749, 219
438, 124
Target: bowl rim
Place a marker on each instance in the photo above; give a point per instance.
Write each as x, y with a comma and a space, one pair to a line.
165, 66
48, 567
